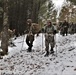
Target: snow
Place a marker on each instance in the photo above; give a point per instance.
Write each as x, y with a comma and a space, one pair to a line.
21, 62
58, 4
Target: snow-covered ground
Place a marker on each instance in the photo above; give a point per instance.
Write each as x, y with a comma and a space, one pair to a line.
21, 62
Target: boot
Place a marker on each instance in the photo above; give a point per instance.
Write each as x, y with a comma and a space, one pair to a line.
47, 54
2, 54
51, 51
29, 49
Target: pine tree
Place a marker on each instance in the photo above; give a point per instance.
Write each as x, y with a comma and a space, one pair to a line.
4, 42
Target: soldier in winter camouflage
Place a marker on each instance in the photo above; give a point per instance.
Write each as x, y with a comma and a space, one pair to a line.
65, 27
33, 29
49, 37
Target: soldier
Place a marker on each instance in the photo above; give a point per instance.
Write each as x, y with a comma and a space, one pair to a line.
65, 27
49, 37
33, 29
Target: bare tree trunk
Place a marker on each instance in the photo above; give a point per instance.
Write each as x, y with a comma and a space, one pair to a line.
4, 43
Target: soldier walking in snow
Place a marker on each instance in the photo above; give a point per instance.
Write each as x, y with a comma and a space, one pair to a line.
33, 29
65, 27
49, 37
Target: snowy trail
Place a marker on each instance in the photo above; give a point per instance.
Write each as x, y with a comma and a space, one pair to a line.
20, 62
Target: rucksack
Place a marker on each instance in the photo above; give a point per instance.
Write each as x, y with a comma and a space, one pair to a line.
35, 28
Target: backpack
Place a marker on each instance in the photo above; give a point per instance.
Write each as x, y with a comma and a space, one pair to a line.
35, 28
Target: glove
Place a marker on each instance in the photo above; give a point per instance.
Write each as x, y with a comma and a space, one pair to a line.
54, 32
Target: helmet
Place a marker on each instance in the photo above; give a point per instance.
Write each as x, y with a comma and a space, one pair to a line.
29, 20
48, 20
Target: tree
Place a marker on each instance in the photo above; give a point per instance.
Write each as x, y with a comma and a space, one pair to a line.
20, 10
45, 11
4, 42
73, 1
1, 15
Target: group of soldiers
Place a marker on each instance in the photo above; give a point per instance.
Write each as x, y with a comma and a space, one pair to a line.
49, 29
67, 28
